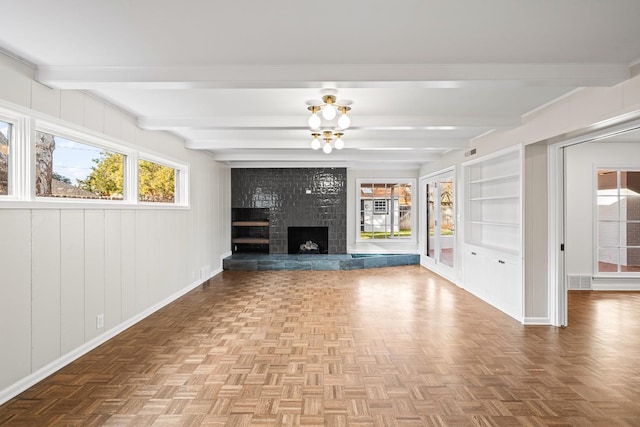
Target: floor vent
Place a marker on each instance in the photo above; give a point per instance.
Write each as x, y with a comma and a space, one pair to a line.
577, 282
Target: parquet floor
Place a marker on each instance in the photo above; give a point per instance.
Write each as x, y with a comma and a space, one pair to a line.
384, 347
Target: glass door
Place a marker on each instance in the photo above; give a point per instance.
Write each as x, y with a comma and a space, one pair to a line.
439, 223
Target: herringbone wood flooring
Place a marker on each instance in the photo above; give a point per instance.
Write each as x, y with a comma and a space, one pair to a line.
384, 347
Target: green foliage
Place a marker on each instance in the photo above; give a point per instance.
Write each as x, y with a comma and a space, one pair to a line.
106, 177
60, 178
156, 183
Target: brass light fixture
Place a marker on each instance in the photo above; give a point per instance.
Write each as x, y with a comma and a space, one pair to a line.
329, 108
328, 137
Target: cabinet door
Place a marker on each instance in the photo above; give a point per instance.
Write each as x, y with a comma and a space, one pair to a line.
513, 289
474, 274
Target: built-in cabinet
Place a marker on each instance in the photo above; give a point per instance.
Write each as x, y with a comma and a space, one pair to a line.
250, 230
493, 230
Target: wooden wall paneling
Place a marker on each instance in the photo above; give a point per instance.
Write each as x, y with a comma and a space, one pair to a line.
156, 268
16, 83
94, 268
94, 114
112, 122
72, 268
45, 99
72, 106
15, 295
183, 274
45, 287
142, 260
112, 268
128, 262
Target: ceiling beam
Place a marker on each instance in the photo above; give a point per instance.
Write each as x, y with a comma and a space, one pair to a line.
336, 75
363, 144
308, 155
432, 123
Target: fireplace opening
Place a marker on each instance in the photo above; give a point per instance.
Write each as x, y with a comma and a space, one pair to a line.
308, 240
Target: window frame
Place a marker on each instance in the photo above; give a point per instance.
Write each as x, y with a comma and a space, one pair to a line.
618, 221
359, 201
22, 167
17, 154
86, 139
181, 180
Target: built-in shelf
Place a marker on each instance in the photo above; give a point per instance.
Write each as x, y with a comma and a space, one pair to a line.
496, 178
492, 256
496, 224
482, 199
250, 230
254, 240
250, 223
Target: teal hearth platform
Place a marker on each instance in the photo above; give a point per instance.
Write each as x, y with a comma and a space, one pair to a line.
263, 262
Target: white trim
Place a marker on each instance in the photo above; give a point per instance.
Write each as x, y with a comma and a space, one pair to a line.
600, 130
450, 273
397, 240
22, 170
537, 321
37, 376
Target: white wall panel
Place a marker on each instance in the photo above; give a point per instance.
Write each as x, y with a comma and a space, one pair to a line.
113, 268
128, 264
112, 122
94, 271
16, 81
72, 279
45, 99
156, 243
72, 107
45, 287
142, 260
631, 92
15, 296
95, 261
93, 114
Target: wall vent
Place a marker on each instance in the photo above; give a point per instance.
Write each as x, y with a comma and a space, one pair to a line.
579, 283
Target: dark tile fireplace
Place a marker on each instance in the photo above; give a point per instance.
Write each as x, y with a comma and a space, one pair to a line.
297, 237
295, 197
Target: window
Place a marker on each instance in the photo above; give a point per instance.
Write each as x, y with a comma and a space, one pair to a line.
47, 161
5, 146
380, 206
71, 169
385, 209
156, 182
618, 221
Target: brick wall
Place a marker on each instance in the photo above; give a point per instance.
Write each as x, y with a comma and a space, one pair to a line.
300, 197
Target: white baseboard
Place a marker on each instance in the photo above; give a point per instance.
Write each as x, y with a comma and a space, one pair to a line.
543, 321
37, 376
595, 286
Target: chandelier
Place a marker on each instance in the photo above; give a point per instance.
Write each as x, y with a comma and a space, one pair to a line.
328, 109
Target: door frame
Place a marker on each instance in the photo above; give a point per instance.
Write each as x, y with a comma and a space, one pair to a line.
426, 261
558, 289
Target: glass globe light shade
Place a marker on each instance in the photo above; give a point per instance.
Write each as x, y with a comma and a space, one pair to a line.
315, 144
314, 121
344, 121
339, 144
327, 148
329, 112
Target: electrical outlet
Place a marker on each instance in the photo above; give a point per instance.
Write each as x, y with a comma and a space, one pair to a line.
100, 321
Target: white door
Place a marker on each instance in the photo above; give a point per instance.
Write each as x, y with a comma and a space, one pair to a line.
438, 223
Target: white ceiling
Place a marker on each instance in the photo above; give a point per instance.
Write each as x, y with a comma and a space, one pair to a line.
425, 76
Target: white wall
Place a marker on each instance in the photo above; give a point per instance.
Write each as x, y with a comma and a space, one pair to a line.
353, 207
61, 268
581, 160
579, 110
